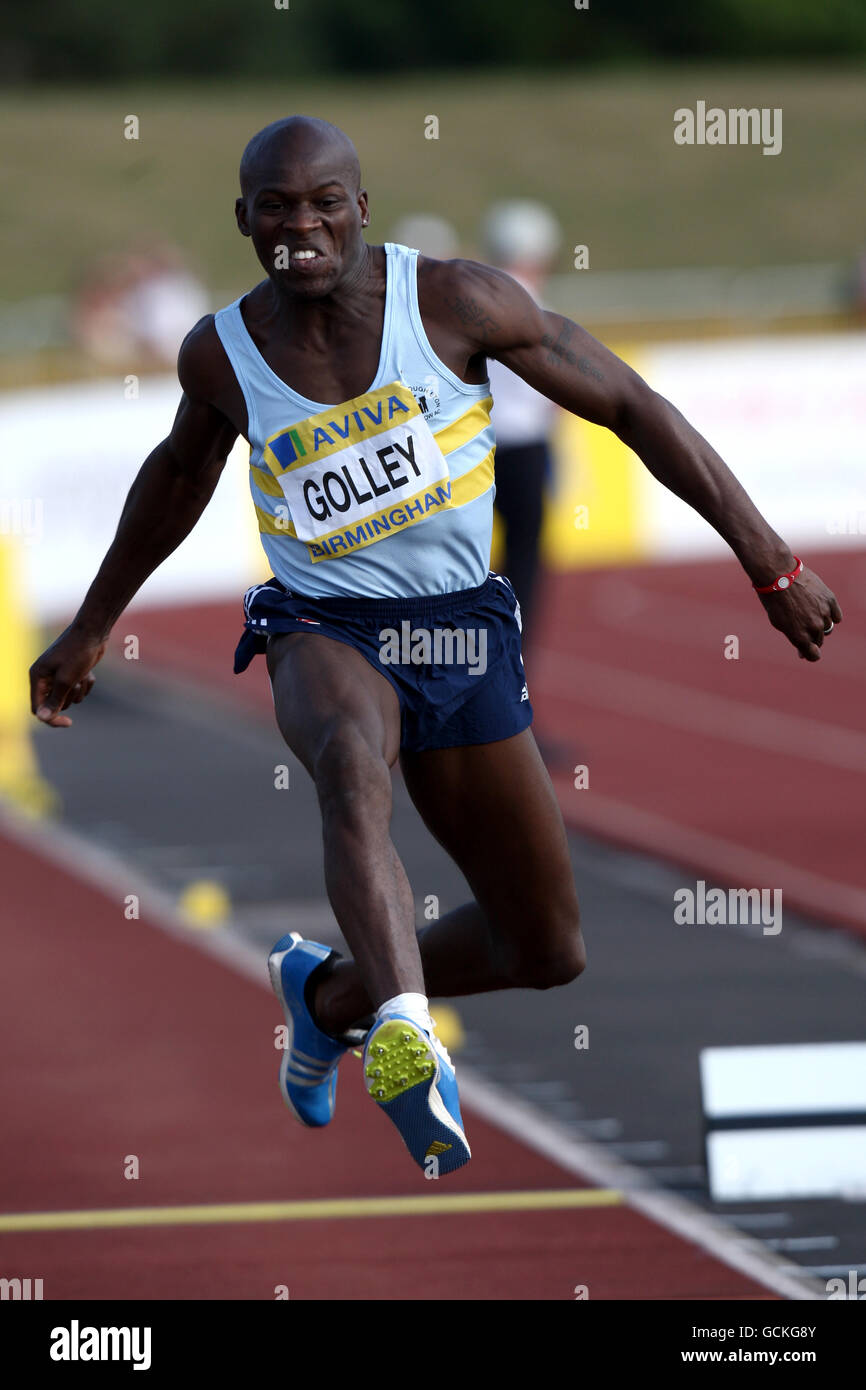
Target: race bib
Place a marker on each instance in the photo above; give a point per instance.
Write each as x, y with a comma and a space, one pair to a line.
363, 469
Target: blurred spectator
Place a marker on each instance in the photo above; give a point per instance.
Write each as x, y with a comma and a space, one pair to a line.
522, 238
136, 308
432, 235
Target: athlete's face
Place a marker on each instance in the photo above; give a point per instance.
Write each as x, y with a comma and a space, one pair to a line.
294, 206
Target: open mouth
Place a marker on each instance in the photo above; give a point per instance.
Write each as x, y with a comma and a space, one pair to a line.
305, 259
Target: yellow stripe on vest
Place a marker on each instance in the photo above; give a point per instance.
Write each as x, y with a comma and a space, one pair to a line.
474, 483
275, 525
266, 482
465, 427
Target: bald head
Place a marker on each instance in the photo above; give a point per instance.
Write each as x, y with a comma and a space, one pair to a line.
300, 193
305, 140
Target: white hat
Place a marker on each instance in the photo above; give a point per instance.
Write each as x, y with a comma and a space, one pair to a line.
432, 235
521, 232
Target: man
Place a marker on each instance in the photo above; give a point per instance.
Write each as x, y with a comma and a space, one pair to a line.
374, 495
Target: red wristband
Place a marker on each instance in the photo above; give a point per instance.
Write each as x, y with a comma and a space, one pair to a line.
783, 582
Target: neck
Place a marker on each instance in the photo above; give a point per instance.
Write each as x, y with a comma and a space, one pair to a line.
348, 294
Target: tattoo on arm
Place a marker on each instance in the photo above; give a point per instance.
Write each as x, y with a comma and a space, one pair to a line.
589, 368
470, 312
557, 348
559, 351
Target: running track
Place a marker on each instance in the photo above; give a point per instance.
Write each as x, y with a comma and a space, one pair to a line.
120, 1040
176, 1065
750, 770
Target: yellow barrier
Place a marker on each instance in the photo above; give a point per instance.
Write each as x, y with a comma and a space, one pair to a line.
21, 781
591, 508
591, 514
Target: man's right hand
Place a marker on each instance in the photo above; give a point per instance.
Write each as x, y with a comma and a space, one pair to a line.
61, 676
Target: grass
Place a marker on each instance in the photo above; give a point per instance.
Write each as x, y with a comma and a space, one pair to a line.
598, 148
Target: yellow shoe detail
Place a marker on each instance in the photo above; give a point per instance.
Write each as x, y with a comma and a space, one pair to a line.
398, 1059
437, 1147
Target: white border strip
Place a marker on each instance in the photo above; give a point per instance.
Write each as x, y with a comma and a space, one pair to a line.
635, 694
109, 872
590, 1161
641, 831
523, 1121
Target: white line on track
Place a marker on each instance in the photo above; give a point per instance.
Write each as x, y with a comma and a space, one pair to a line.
623, 606
803, 1242
588, 1160
523, 1121
725, 859
766, 1219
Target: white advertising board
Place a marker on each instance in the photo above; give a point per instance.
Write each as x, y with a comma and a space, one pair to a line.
68, 455
788, 416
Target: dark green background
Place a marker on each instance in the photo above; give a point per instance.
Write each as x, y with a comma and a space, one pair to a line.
97, 40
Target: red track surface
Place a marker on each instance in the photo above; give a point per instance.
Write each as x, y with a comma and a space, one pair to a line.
751, 770
119, 1039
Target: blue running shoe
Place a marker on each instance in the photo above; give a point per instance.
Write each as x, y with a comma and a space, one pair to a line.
409, 1074
308, 1071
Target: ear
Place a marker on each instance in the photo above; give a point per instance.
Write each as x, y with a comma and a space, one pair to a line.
241, 216
364, 207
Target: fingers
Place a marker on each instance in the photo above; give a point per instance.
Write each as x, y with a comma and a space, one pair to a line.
54, 721
80, 690
819, 635
50, 696
38, 690
49, 712
46, 700
833, 611
48, 706
832, 617
807, 623
808, 641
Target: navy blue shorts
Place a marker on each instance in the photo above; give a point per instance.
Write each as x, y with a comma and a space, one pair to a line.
453, 659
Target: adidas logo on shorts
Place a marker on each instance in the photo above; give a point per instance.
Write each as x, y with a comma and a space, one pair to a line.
524, 694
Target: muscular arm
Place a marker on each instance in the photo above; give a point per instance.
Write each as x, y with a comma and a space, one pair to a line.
570, 367
169, 494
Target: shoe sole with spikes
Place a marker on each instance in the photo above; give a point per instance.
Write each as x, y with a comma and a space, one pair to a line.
417, 1090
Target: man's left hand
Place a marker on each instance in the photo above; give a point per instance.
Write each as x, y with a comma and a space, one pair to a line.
806, 613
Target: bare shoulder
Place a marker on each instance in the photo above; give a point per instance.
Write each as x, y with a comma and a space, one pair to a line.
203, 369
212, 411
492, 308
